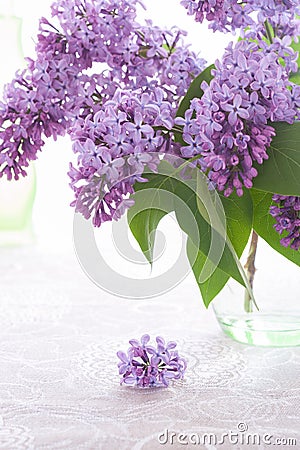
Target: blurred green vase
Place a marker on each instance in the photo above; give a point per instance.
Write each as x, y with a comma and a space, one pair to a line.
16, 197
16, 204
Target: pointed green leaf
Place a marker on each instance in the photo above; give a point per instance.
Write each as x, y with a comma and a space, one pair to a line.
281, 172
151, 204
214, 284
239, 219
203, 235
184, 200
238, 212
143, 225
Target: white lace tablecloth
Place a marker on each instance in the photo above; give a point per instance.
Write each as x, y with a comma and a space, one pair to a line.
59, 386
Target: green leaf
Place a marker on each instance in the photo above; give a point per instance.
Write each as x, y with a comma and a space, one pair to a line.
296, 46
295, 77
239, 219
210, 252
280, 174
178, 137
151, 204
207, 239
238, 213
143, 225
167, 192
264, 225
215, 283
194, 90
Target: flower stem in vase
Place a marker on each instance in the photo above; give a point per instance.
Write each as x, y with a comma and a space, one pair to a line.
250, 271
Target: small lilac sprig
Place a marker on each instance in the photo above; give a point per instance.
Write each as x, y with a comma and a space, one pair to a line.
287, 215
147, 366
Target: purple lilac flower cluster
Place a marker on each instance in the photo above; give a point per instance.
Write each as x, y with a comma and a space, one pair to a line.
50, 94
147, 366
223, 15
287, 215
227, 127
36, 104
280, 14
113, 146
135, 55
55, 95
229, 15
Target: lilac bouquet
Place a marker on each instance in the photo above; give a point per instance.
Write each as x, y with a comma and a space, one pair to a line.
134, 99
147, 366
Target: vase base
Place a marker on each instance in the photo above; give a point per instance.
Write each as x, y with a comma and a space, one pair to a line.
267, 330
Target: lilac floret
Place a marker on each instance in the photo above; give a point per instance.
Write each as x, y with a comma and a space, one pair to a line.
145, 365
286, 211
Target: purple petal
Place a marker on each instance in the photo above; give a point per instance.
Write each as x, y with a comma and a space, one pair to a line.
134, 343
123, 357
145, 339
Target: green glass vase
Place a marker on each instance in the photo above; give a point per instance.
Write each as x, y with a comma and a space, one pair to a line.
276, 322
16, 197
16, 205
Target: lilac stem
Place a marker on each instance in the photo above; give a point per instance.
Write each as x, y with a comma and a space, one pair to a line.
250, 270
268, 31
